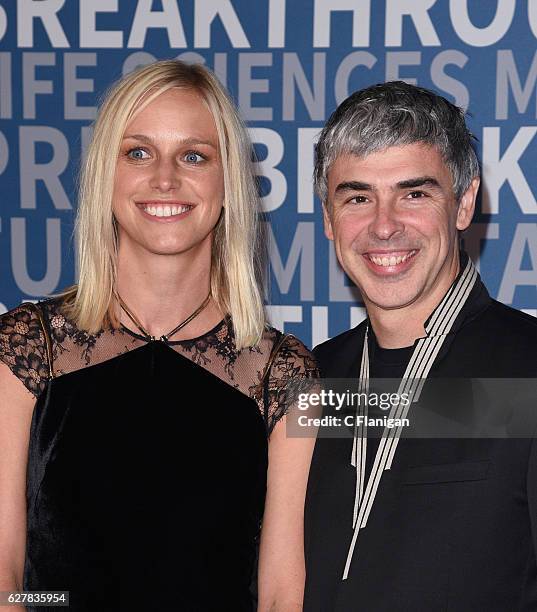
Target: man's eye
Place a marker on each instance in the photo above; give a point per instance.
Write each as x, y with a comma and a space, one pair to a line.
359, 199
137, 153
194, 158
414, 195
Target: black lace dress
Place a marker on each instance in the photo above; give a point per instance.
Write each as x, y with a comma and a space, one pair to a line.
147, 460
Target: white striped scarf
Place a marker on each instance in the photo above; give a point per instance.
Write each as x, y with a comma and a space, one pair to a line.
421, 361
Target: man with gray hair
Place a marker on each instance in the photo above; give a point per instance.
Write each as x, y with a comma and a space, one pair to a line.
395, 522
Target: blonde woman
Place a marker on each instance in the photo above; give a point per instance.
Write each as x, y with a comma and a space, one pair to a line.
142, 413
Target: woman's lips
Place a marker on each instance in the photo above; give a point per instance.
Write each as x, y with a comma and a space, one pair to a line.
165, 211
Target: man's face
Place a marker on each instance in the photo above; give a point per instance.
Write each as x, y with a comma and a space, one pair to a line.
393, 218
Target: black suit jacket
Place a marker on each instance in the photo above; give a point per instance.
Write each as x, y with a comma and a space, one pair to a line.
454, 523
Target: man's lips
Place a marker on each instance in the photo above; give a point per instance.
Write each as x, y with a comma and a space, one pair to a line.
392, 261
165, 209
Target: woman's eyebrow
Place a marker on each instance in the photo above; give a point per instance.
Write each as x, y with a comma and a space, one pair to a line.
186, 141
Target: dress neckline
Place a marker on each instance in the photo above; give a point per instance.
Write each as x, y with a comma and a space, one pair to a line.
210, 332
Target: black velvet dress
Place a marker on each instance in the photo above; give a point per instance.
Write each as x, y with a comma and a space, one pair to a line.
147, 461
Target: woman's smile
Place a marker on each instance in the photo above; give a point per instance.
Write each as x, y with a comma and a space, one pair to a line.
165, 211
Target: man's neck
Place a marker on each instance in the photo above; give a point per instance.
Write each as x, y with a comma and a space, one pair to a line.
395, 330
401, 327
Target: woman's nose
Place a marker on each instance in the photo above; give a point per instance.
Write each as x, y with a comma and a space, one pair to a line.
165, 176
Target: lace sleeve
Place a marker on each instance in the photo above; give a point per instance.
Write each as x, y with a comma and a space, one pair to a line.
292, 364
23, 347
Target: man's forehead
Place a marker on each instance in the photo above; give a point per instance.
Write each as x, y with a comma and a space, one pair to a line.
392, 164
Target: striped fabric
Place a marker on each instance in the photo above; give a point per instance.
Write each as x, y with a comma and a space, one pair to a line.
437, 328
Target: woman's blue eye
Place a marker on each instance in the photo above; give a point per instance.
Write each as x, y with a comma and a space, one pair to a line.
193, 158
136, 154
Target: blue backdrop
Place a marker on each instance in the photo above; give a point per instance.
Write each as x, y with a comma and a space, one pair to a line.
288, 64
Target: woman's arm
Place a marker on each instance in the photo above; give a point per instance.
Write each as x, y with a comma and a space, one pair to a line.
16, 407
281, 556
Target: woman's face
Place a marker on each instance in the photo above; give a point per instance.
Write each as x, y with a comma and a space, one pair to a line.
169, 185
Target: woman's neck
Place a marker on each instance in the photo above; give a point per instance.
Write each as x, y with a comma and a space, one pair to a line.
163, 290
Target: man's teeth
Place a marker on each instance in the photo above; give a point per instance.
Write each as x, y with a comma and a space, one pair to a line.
390, 261
165, 211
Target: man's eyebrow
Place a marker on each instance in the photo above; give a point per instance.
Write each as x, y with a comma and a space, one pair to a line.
187, 141
419, 181
353, 186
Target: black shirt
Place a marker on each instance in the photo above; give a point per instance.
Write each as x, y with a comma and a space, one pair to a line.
454, 523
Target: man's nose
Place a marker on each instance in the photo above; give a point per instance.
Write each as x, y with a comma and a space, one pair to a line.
166, 175
386, 222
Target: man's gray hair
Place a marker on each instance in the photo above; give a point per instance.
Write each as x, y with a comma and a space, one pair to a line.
395, 114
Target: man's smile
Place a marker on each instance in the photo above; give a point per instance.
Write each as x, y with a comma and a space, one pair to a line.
389, 262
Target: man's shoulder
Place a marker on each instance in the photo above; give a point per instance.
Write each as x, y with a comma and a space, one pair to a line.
340, 341
508, 322
500, 341
340, 353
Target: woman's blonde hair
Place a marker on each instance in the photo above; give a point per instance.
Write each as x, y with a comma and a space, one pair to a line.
235, 279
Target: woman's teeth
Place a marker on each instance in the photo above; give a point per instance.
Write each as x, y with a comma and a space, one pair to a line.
165, 211
386, 261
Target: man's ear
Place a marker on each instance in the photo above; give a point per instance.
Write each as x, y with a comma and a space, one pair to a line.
327, 222
466, 208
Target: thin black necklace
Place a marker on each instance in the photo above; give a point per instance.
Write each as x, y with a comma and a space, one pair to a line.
165, 337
